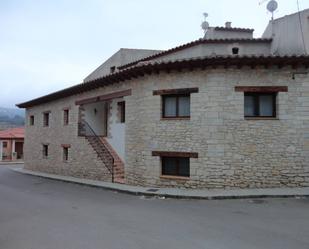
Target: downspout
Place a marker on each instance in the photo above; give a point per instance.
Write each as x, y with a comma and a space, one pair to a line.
1, 147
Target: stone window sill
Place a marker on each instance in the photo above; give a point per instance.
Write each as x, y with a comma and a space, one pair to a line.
261, 118
182, 178
177, 118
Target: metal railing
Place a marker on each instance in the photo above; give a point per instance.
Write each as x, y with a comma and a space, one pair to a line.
85, 130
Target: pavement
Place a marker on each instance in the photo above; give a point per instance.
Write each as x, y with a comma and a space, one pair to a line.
177, 192
41, 213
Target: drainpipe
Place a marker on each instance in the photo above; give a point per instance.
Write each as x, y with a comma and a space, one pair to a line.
13, 150
1, 146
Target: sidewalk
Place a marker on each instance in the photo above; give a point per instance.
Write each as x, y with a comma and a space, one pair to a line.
11, 162
179, 193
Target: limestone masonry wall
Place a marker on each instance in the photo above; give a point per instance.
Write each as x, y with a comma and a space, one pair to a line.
232, 152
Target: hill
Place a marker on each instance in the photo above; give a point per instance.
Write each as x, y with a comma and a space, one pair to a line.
11, 117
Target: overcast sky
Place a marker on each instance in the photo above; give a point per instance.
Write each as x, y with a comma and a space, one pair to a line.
47, 45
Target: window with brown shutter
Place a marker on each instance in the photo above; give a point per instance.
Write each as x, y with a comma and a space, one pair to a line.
65, 153
45, 151
31, 120
65, 116
122, 111
46, 119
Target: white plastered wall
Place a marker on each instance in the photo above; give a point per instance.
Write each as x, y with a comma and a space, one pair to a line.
94, 116
116, 130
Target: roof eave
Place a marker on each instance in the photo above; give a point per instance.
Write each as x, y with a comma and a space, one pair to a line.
148, 68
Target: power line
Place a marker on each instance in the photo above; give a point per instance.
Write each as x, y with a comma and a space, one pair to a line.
301, 26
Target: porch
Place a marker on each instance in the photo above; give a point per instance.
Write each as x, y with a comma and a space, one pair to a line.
102, 123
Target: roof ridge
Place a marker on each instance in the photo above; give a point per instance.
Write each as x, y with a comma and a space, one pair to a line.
234, 29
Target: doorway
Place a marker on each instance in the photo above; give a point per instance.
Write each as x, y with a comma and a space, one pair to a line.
19, 149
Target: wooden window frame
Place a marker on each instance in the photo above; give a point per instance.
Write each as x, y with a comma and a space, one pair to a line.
31, 120
177, 159
175, 91
122, 110
66, 113
261, 89
256, 96
4, 144
46, 121
177, 96
175, 154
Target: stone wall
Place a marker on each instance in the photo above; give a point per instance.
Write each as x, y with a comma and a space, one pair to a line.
233, 152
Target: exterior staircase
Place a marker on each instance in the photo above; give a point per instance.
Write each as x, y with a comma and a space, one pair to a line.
105, 152
118, 163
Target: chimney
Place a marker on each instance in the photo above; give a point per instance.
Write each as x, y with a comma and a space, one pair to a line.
228, 25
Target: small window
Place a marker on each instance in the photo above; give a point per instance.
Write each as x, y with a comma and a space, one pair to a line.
112, 69
4, 144
46, 119
176, 166
45, 150
31, 120
235, 50
65, 153
122, 111
66, 117
176, 106
260, 104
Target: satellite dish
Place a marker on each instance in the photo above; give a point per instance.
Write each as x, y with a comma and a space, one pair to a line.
205, 24
272, 6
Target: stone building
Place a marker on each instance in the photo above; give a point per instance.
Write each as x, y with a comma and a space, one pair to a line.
225, 111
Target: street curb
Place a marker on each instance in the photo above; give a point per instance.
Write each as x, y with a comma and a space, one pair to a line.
10, 163
132, 190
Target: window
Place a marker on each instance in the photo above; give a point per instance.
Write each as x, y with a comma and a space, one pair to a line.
4, 144
260, 104
31, 120
176, 166
46, 119
66, 116
122, 111
235, 50
112, 69
45, 150
176, 106
65, 153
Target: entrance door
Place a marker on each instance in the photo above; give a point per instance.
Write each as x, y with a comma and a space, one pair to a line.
19, 149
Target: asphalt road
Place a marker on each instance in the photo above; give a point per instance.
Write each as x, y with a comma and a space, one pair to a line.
37, 213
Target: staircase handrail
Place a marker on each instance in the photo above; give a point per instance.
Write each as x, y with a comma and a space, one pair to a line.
83, 127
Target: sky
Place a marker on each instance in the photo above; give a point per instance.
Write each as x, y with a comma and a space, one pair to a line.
47, 45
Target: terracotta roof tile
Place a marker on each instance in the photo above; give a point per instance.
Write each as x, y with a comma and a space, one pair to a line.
150, 67
194, 43
234, 29
13, 133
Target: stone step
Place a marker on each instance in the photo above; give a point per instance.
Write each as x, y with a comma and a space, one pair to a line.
100, 149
